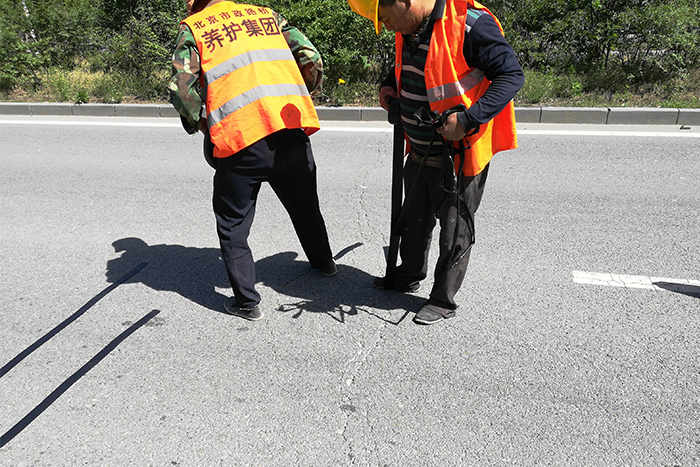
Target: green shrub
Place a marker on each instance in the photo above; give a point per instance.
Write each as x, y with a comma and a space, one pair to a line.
109, 89
82, 96
59, 86
153, 87
136, 51
349, 92
542, 87
538, 87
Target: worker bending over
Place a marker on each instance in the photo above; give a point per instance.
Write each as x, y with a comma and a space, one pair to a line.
254, 74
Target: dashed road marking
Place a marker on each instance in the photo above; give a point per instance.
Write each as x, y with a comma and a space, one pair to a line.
687, 286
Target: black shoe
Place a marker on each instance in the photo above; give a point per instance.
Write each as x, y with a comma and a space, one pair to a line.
250, 313
431, 314
380, 283
328, 268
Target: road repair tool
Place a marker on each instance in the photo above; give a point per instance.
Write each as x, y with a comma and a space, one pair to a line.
396, 191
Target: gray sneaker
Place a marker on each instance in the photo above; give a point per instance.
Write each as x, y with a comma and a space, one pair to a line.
431, 314
250, 313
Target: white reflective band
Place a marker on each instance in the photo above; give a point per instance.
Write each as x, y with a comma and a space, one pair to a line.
413, 97
245, 59
420, 141
409, 120
457, 88
413, 69
252, 95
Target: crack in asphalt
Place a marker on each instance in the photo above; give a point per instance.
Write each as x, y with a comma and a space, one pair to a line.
363, 220
363, 216
350, 382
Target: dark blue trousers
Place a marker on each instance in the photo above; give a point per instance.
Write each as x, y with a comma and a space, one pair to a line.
284, 160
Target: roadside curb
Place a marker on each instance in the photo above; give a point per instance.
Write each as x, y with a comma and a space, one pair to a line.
582, 115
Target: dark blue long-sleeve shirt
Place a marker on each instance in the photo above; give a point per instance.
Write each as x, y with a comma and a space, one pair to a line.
485, 48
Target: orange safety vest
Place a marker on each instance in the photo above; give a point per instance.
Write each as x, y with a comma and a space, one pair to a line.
253, 85
450, 81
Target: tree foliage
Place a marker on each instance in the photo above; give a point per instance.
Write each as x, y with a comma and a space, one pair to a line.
619, 42
612, 43
348, 44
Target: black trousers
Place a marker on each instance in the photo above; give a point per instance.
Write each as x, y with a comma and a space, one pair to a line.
285, 160
426, 201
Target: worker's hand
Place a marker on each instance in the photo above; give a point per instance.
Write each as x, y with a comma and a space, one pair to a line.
385, 94
452, 130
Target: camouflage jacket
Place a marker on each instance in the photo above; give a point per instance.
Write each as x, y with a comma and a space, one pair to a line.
186, 93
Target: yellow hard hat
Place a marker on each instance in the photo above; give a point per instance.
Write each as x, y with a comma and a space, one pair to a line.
368, 9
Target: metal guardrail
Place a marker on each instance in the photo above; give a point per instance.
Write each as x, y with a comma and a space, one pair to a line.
582, 115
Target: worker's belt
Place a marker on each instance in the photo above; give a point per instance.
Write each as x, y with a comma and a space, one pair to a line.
428, 161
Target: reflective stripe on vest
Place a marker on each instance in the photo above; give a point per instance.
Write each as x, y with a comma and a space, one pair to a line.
456, 88
450, 81
253, 85
258, 92
245, 59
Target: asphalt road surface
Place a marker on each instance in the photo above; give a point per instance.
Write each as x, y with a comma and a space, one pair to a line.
576, 340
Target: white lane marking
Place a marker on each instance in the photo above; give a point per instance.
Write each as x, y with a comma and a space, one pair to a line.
349, 129
636, 134
629, 134
152, 124
356, 129
636, 282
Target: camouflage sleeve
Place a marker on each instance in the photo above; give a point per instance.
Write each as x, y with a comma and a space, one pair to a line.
184, 89
307, 57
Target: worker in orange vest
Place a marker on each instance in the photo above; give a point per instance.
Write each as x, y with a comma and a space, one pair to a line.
237, 80
455, 77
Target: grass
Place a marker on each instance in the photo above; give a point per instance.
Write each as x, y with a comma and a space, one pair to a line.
550, 89
82, 85
349, 93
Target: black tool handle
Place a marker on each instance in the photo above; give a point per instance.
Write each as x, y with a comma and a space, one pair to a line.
394, 110
396, 189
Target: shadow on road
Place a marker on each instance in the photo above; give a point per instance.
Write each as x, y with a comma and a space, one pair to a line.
116, 281
685, 289
56, 393
189, 271
194, 273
